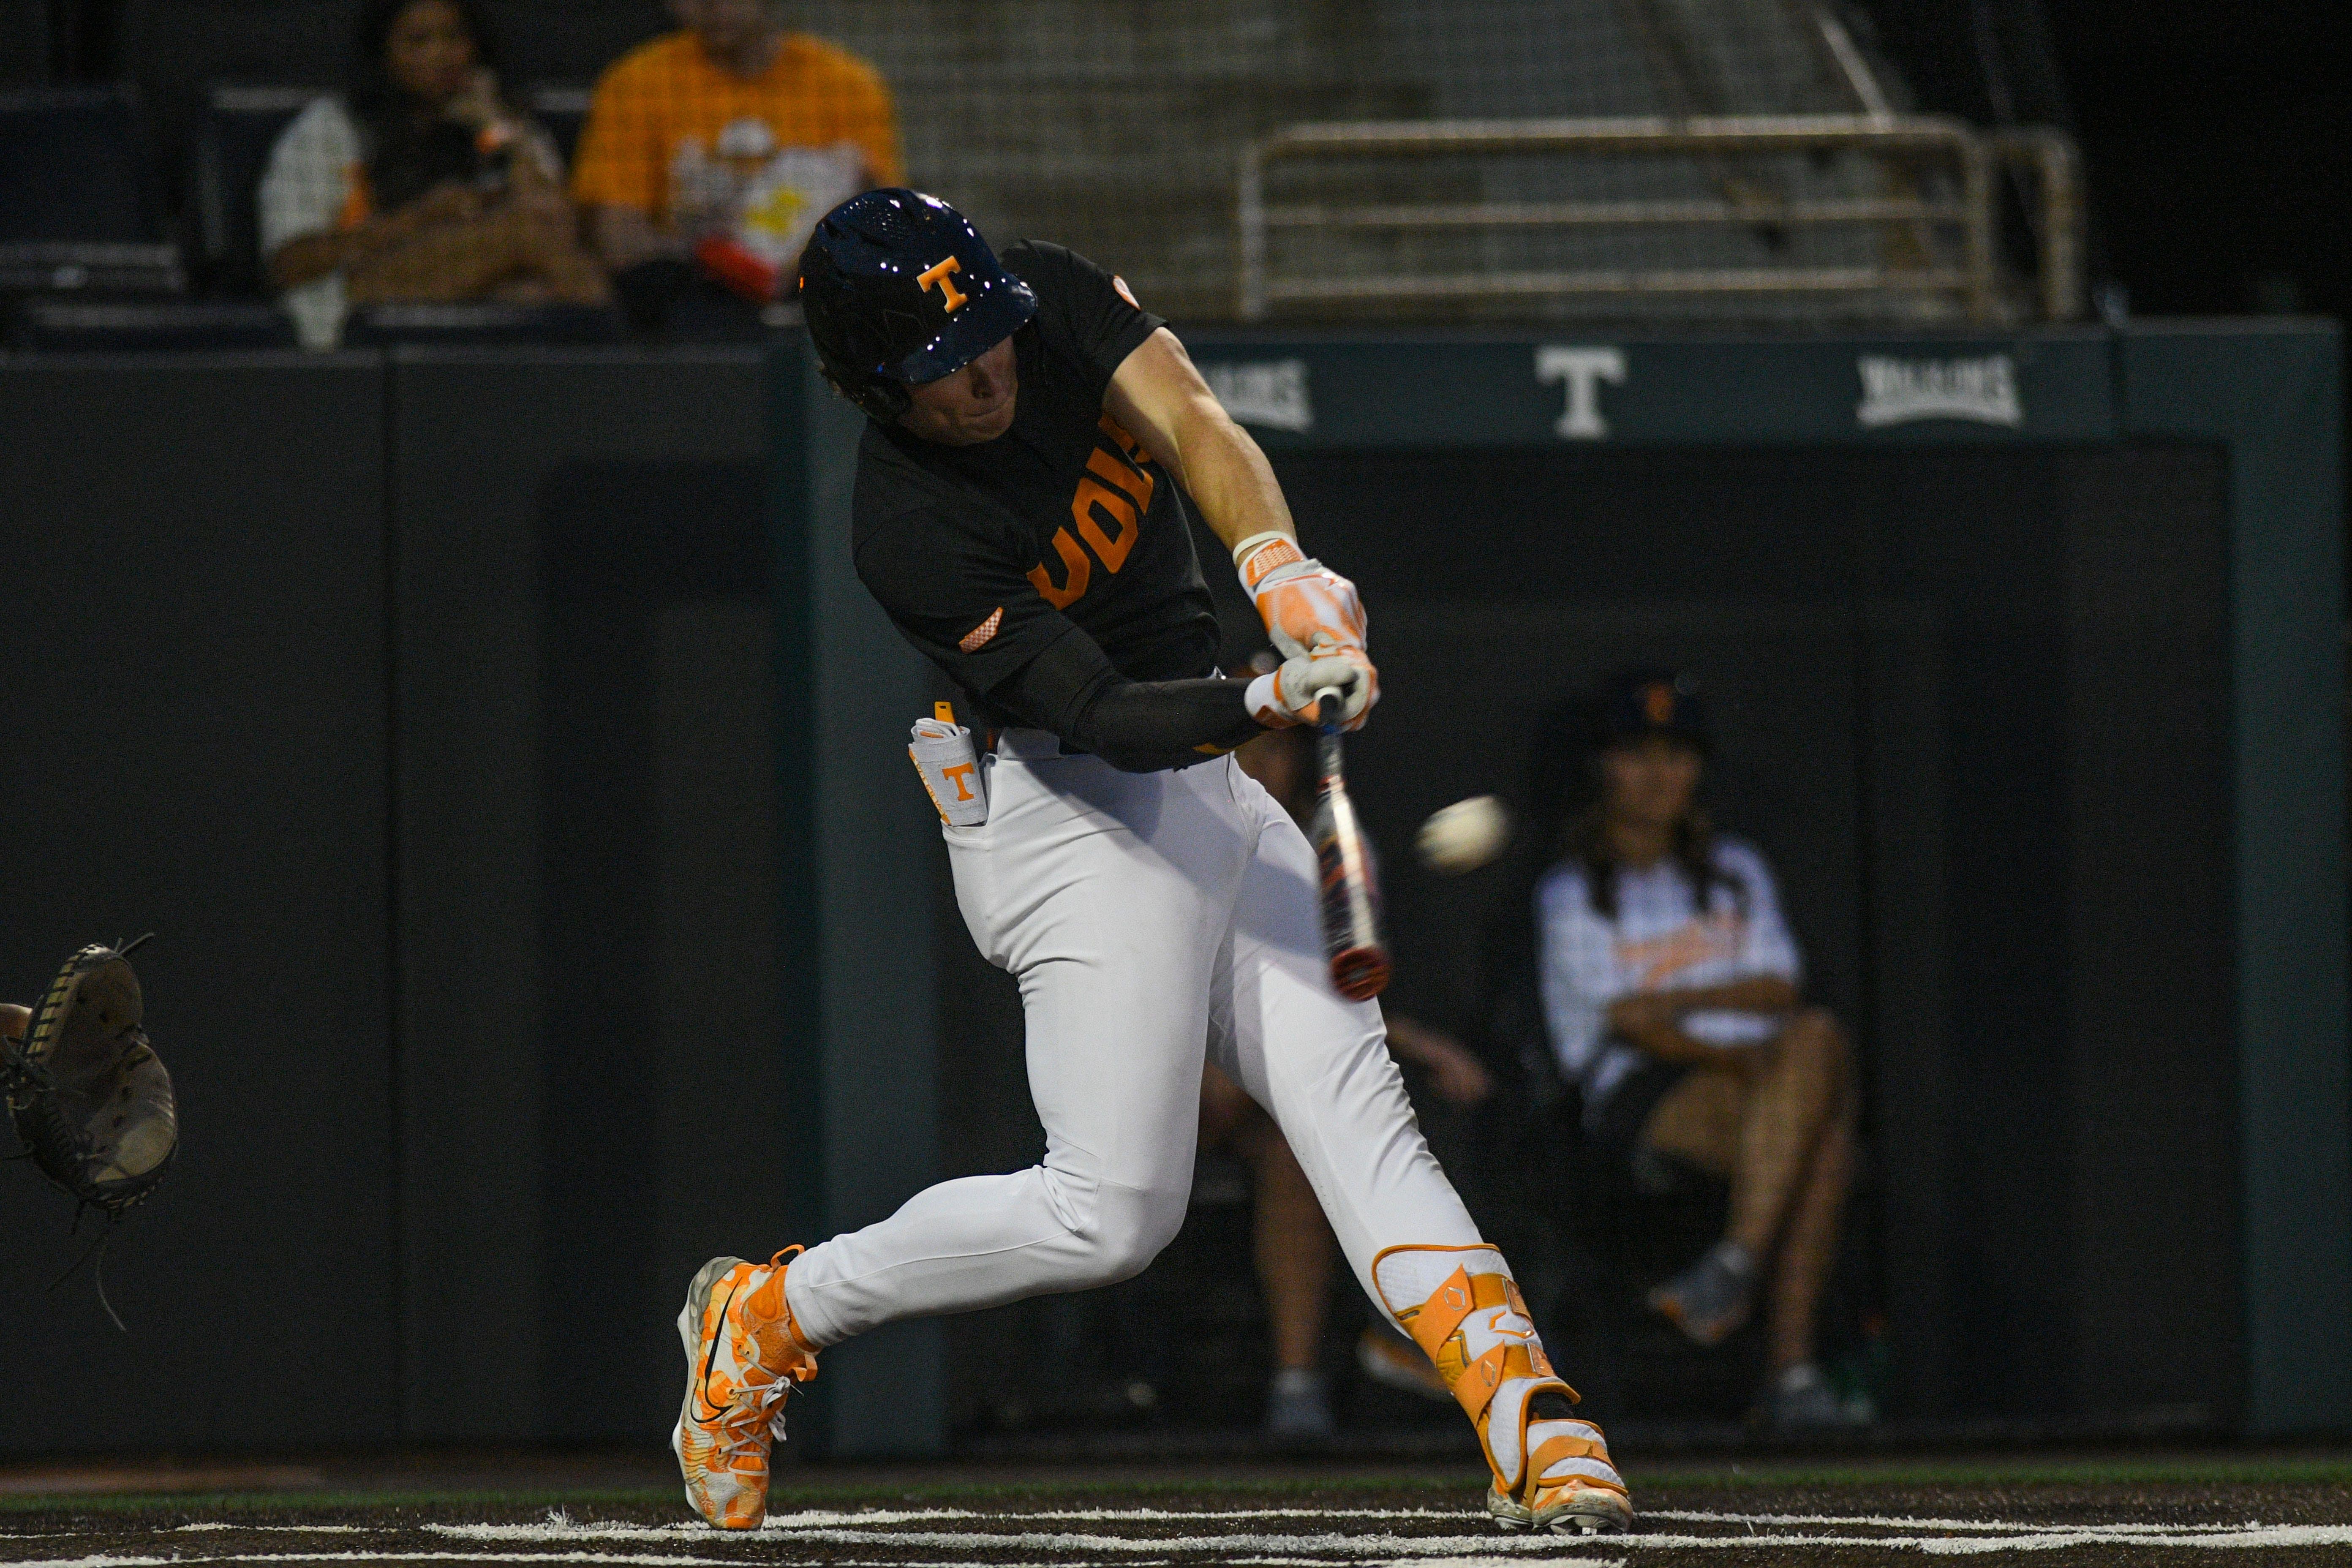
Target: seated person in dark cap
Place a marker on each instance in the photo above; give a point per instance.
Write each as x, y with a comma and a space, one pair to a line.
1670, 987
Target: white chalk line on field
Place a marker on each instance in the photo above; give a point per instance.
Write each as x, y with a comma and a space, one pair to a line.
813, 1520
1327, 1549
1882, 1521
1407, 1548
2244, 1538
282, 1529
818, 1519
1324, 1545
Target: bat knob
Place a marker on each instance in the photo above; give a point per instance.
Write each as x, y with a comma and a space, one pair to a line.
1327, 709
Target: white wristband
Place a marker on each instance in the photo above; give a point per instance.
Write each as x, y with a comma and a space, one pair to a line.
1256, 543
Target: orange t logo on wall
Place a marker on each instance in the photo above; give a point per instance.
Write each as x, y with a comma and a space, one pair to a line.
1107, 512
950, 294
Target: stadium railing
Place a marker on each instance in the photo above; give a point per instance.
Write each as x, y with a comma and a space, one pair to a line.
1939, 216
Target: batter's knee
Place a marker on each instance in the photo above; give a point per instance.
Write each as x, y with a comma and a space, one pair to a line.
1127, 1230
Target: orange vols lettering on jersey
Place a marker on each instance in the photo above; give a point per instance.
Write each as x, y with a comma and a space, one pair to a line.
1117, 433
1076, 571
950, 294
1137, 482
1115, 505
1114, 497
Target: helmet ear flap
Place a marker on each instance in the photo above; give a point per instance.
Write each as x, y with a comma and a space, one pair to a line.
881, 398
839, 349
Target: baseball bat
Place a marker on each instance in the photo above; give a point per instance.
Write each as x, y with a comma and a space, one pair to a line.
1352, 938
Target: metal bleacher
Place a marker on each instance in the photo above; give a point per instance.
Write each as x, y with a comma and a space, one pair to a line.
1123, 131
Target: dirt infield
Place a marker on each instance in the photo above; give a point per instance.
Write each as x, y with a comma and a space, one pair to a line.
2176, 1510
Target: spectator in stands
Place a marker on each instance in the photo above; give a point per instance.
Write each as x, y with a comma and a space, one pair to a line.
420, 183
1291, 1239
1670, 990
725, 143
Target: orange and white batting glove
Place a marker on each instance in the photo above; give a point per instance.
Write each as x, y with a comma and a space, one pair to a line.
1286, 696
1308, 609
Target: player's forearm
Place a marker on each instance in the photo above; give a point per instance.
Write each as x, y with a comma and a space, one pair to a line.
1160, 397
1227, 476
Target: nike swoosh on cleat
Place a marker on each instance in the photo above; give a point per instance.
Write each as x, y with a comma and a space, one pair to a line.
702, 1383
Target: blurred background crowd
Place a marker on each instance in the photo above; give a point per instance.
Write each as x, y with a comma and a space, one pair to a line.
581, 170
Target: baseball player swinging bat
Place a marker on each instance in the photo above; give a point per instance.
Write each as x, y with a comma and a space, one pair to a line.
1033, 439
1353, 938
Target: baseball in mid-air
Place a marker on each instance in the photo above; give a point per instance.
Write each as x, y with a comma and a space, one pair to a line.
1465, 835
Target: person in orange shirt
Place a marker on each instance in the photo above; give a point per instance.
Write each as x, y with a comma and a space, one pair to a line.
727, 140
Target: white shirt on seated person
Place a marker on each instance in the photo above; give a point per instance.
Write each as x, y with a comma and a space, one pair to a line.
1660, 940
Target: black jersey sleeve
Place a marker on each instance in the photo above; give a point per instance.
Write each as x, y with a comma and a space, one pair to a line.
1136, 726
968, 611
1083, 307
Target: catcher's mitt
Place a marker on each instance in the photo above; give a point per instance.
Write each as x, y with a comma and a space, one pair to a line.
91, 1103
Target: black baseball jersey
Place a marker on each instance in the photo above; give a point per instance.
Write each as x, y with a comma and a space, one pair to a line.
989, 556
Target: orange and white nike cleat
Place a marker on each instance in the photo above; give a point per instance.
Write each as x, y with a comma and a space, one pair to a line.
743, 1355
1463, 1309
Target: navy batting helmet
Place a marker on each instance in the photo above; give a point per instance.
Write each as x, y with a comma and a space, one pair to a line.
899, 288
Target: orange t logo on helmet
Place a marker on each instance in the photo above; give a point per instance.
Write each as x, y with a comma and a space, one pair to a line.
939, 275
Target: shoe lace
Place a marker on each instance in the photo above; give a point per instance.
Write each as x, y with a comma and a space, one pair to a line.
753, 1410
758, 1408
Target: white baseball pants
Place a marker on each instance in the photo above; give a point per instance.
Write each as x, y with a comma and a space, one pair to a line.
1147, 917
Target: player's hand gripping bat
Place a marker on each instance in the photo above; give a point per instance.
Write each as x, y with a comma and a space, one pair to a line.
1352, 938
